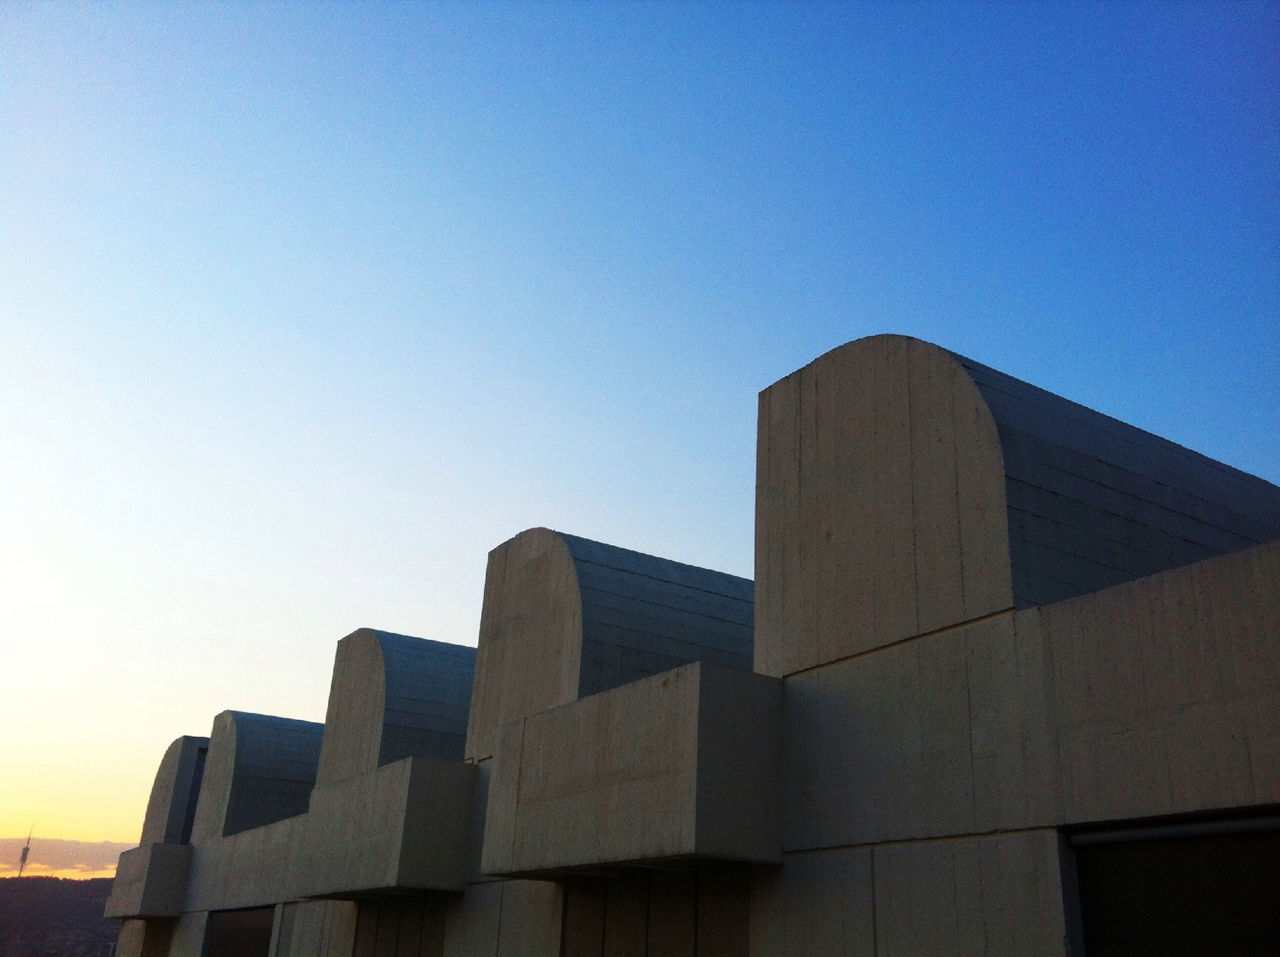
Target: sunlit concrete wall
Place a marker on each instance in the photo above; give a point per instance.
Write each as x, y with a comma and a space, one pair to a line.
955, 580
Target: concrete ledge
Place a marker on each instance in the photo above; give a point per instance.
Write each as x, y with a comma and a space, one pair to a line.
683, 764
401, 827
151, 881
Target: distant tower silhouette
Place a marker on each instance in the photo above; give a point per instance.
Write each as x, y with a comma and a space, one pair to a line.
22, 861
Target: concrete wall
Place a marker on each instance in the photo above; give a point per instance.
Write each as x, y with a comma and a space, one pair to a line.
995, 894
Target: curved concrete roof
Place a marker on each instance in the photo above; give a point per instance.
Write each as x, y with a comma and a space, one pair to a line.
902, 489
394, 696
566, 617
260, 769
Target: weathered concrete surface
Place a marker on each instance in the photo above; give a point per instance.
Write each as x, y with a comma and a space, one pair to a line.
150, 881
392, 697
680, 764
997, 894
1154, 697
315, 929
260, 769
1166, 691
253, 868
505, 919
700, 909
565, 617
993, 894
402, 827
947, 734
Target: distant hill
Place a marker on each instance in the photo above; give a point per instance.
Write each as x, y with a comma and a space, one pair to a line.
55, 917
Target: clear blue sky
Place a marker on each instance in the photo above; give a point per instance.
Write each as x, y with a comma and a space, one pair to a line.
305, 307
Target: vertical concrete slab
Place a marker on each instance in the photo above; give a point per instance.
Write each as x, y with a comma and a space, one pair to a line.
1011, 735
991, 895
723, 909
145, 938
171, 806
626, 916
816, 903
189, 934
739, 804
394, 696
530, 642
868, 501
316, 929
778, 552
530, 919
672, 923
472, 921
584, 903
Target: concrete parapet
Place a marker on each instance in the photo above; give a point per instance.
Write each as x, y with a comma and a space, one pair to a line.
150, 881
402, 827
392, 697
260, 769
565, 617
677, 765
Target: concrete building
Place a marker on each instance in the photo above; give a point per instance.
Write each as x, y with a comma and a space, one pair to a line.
1008, 683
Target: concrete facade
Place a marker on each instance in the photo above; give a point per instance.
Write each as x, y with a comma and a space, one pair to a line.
1001, 651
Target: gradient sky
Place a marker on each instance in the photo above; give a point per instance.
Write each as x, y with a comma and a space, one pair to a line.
305, 307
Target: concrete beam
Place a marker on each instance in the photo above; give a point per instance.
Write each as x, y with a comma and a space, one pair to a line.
681, 764
403, 827
150, 881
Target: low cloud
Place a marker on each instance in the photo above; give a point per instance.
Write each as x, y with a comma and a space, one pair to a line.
52, 857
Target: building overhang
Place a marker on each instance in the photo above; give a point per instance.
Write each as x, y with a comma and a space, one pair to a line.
151, 881
676, 767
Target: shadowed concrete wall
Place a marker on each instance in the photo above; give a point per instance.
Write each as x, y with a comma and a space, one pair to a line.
565, 617
260, 769
902, 489
392, 697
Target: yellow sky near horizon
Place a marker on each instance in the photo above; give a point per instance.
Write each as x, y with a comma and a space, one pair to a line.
75, 874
